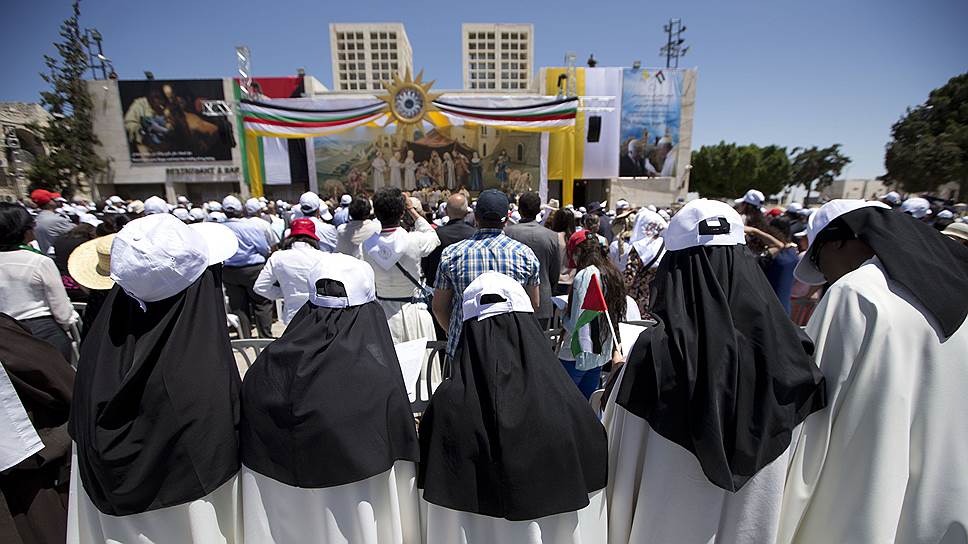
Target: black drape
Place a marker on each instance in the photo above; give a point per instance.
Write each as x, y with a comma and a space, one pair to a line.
725, 374
933, 267
325, 404
156, 400
509, 435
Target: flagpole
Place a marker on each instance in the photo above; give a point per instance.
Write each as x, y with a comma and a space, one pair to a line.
612, 329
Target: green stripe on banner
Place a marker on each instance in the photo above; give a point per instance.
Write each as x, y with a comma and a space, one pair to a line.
584, 318
288, 119
262, 164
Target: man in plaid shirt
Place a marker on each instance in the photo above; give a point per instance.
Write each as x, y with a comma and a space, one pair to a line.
488, 250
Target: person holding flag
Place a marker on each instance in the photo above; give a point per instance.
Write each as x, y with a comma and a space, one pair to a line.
590, 339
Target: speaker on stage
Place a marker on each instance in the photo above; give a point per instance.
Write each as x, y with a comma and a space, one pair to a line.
594, 128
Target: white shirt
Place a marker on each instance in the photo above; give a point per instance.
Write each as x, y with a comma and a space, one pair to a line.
351, 235
31, 286
390, 282
286, 276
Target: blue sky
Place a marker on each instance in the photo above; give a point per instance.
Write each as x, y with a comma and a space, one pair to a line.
811, 72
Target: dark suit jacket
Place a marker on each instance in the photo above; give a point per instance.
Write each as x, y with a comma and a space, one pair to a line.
544, 243
451, 233
605, 228
628, 167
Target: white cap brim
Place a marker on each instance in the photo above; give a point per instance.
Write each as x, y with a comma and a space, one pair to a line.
221, 241
807, 272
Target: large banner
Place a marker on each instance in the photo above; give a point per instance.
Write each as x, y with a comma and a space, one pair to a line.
164, 123
441, 159
651, 110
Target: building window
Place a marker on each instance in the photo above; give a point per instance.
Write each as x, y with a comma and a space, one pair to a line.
383, 35
520, 152
483, 130
484, 149
504, 85
504, 35
490, 85
471, 36
473, 84
472, 45
393, 35
343, 86
490, 35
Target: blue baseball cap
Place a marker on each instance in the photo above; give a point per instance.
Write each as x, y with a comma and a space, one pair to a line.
492, 205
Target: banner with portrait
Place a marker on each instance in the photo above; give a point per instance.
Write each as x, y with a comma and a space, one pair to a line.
434, 160
651, 114
163, 121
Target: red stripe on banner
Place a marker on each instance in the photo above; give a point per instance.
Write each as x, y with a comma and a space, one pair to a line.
259, 121
553, 117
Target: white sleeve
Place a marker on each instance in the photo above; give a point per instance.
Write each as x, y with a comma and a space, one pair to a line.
265, 284
55, 293
424, 238
18, 438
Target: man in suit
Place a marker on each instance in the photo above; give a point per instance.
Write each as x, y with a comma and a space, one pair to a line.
454, 231
631, 163
544, 243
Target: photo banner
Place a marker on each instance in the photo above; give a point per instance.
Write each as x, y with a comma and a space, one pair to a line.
651, 115
163, 121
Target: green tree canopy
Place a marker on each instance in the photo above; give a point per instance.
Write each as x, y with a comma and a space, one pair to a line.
70, 133
929, 144
729, 170
815, 168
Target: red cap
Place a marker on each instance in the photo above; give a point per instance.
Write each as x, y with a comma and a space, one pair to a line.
774, 212
304, 227
42, 196
578, 237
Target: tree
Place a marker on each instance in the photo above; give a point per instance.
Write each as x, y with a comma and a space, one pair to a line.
929, 144
816, 168
70, 133
729, 170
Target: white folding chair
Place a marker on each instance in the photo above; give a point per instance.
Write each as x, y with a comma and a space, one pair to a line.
256, 345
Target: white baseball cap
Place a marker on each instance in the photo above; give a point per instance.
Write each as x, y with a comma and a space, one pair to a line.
157, 256
892, 198
945, 214
794, 207
309, 202
507, 296
345, 200
213, 206
355, 275
253, 205
182, 199
704, 222
181, 214
155, 204
752, 197
115, 199
231, 204
805, 270
197, 214
217, 217
917, 207
622, 204
89, 219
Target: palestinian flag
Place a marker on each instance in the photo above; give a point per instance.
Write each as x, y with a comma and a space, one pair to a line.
589, 335
280, 120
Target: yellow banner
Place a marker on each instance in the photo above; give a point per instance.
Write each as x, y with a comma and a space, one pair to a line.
566, 151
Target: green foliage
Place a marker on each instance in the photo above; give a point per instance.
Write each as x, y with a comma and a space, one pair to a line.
815, 168
929, 144
70, 133
729, 170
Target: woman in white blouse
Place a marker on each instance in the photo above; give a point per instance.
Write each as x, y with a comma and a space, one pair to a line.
31, 290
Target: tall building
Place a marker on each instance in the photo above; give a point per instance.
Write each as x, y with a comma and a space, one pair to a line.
366, 54
497, 56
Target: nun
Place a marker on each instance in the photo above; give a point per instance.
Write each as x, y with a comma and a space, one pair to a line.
154, 418
328, 439
35, 449
701, 417
887, 460
510, 450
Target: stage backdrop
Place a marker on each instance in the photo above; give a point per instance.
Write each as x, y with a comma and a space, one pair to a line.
163, 121
651, 112
452, 157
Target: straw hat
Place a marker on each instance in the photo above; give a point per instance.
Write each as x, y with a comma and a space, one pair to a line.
90, 263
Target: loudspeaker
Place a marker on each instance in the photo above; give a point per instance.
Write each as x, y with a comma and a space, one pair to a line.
594, 128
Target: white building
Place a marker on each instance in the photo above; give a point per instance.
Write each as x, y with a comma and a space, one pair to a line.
19, 145
497, 57
364, 55
864, 189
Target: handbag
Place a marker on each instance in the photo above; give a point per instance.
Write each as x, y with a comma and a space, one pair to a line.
422, 294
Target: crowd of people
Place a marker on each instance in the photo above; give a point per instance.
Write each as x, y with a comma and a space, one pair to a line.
705, 372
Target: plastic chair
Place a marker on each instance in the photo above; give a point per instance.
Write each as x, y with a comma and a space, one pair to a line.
255, 344
79, 307
235, 324
596, 401
74, 332
437, 354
